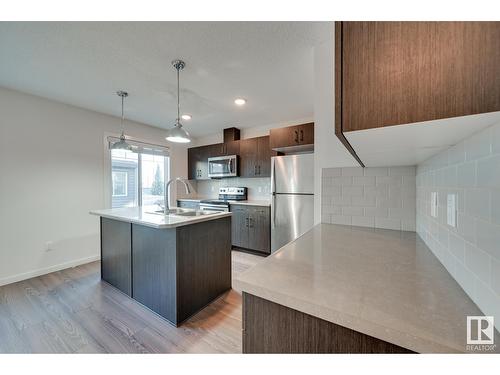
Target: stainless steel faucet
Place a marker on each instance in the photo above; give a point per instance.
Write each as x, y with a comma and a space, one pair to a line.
167, 184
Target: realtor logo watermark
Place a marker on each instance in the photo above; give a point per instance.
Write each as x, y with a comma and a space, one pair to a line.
480, 333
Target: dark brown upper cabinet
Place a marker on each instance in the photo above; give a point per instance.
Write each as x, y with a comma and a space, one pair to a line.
392, 73
298, 137
198, 162
255, 157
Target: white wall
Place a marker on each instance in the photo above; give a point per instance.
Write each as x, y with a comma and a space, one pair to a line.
471, 250
52, 172
328, 151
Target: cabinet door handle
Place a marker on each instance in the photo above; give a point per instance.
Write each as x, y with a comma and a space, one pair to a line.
259, 169
302, 136
246, 222
250, 220
255, 170
296, 136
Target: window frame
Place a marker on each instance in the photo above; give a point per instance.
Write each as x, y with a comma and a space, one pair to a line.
142, 148
113, 184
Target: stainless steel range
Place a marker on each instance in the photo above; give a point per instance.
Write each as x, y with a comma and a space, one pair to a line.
226, 196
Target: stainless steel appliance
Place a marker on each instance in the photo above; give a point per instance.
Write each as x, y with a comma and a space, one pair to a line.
226, 196
292, 206
223, 166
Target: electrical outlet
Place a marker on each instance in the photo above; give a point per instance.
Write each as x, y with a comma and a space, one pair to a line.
451, 204
434, 204
260, 189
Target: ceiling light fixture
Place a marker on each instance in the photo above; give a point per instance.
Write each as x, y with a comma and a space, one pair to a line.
186, 117
177, 133
122, 143
239, 101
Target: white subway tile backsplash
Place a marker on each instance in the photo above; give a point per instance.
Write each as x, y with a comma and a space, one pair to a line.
471, 171
402, 171
466, 174
479, 145
342, 181
389, 180
340, 219
478, 262
367, 194
352, 171
478, 203
488, 237
363, 221
364, 201
488, 172
376, 211
381, 191
466, 227
495, 275
456, 154
363, 181
331, 172
376, 171
387, 223
457, 247
352, 211
352, 191
495, 206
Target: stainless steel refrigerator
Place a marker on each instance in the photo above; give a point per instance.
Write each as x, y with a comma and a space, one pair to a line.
292, 205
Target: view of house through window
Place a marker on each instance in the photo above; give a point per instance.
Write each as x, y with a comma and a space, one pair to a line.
137, 178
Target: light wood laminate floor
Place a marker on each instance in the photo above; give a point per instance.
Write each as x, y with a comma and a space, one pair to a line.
72, 311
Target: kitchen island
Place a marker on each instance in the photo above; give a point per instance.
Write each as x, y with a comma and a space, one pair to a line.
174, 264
343, 289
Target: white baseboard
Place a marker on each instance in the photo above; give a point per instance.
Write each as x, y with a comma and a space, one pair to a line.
44, 271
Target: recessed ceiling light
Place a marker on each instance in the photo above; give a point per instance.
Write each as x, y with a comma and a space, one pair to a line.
186, 117
239, 101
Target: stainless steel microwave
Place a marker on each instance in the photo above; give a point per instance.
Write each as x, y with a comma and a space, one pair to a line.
223, 166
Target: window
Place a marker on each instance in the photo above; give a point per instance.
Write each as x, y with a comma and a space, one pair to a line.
119, 184
138, 177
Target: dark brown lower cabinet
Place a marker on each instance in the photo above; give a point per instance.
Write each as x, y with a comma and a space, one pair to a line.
251, 228
272, 328
116, 255
175, 272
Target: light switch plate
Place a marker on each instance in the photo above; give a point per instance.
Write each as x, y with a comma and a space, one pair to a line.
434, 204
451, 204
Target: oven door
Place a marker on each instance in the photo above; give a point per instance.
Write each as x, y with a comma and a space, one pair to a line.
214, 207
223, 166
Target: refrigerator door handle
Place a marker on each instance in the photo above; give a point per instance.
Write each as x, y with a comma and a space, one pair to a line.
273, 190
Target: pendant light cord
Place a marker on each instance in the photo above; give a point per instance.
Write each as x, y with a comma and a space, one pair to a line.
178, 97
123, 128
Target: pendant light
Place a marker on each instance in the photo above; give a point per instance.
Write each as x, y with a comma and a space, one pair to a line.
122, 143
177, 133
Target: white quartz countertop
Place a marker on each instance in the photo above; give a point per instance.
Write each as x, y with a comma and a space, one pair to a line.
145, 216
383, 283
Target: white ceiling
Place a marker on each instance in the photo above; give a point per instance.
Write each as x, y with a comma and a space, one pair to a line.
85, 63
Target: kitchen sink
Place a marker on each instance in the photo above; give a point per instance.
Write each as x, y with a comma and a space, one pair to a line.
195, 213
171, 211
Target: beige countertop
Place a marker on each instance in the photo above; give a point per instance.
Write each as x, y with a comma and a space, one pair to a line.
383, 283
145, 216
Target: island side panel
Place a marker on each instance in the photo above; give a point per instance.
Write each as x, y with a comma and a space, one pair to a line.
154, 269
203, 264
272, 328
116, 254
